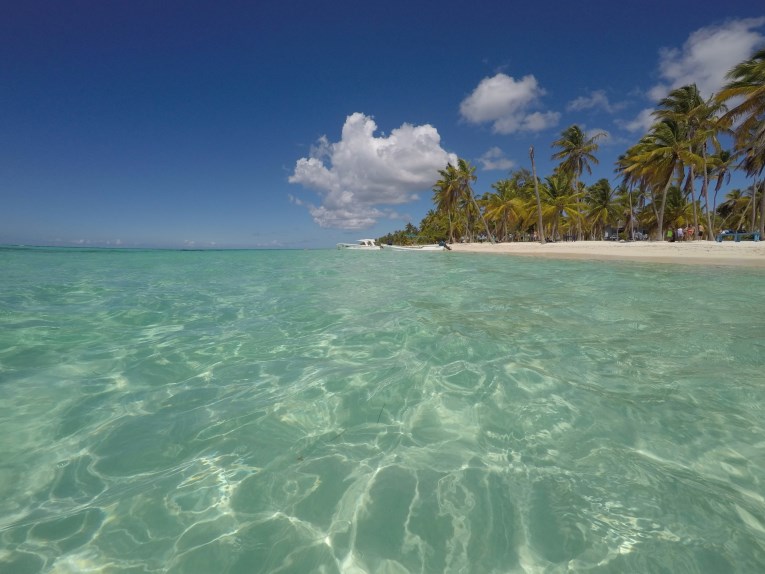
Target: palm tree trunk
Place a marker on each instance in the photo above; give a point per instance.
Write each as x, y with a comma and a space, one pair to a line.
762, 211
540, 223
754, 204
632, 219
691, 178
656, 213
579, 231
483, 220
705, 185
741, 219
714, 202
660, 215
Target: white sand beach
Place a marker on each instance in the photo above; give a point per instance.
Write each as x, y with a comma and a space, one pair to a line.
744, 253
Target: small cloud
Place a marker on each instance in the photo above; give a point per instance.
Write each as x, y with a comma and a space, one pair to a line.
707, 56
494, 159
506, 103
596, 100
539, 121
362, 173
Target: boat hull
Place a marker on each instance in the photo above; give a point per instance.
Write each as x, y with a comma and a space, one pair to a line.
360, 245
415, 248
351, 247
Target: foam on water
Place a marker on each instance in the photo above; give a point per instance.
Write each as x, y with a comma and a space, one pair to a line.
378, 412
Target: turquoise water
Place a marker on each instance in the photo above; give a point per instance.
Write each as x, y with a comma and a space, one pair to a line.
327, 411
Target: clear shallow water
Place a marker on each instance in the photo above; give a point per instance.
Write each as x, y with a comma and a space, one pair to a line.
325, 411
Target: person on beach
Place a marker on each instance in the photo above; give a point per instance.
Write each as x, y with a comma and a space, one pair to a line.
679, 233
670, 235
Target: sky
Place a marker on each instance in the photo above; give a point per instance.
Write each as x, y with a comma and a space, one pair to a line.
300, 124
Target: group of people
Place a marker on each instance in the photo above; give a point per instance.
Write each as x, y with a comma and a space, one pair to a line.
684, 233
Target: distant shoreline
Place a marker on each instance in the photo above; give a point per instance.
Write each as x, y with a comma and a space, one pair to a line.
730, 253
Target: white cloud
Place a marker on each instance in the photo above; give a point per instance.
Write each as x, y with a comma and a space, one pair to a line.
707, 55
361, 173
642, 122
494, 158
596, 100
539, 121
505, 102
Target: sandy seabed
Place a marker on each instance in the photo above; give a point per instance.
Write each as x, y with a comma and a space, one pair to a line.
743, 253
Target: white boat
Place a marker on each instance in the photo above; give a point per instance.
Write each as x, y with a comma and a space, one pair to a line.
360, 245
417, 247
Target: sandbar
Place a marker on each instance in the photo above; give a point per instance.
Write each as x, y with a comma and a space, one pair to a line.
742, 254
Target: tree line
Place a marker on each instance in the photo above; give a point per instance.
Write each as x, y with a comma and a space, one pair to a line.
670, 178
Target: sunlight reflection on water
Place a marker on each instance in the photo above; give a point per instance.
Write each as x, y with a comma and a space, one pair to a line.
347, 412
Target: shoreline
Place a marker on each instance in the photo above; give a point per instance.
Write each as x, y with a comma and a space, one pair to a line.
728, 253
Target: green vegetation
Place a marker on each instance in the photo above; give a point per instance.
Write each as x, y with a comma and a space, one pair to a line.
659, 178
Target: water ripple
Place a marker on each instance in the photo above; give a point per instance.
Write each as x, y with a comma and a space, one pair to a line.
329, 412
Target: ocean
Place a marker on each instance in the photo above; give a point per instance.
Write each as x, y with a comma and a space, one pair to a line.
376, 412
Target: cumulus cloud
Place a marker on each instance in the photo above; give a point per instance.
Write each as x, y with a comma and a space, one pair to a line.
494, 158
596, 100
707, 55
506, 103
358, 176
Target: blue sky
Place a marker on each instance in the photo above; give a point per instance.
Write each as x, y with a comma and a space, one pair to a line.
298, 124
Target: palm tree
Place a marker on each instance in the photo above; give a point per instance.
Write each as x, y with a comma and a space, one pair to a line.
601, 208
679, 211
624, 206
679, 106
753, 164
446, 194
756, 192
558, 201
540, 224
746, 84
465, 176
701, 124
720, 165
434, 227
739, 205
733, 210
506, 207
635, 184
576, 151
658, 157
